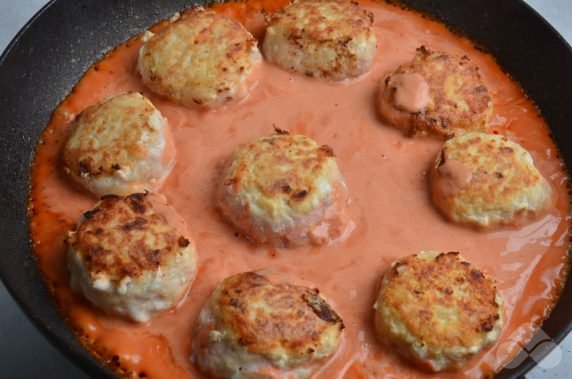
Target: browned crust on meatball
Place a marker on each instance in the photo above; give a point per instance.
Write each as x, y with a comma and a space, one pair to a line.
279, 189
348, 23
459, 100
297, 187
90, 158
231, 49
125, 236
503, 161
504, 186
417, 292
293, 319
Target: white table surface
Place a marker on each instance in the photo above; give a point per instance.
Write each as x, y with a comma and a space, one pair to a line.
26, 354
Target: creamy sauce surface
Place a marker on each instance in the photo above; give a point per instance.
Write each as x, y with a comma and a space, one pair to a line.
411, 91
390, 208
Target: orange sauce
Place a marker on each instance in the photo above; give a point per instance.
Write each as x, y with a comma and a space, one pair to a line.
386, 175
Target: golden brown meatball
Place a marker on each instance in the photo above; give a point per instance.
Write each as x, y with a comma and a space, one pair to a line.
437, 310
132, 256
437, 94
119, 146
202, 59
487, 180
259, 324
284, 190
330, 39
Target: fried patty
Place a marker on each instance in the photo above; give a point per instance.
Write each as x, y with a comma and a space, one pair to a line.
487, 180
257, 324
329, 39
437, 310
203, 59
119, 146
436, 94
132, 256
285, 190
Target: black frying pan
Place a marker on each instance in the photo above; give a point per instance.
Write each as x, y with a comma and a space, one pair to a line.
37, 71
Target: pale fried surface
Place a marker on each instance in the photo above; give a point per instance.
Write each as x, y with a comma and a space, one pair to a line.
330, 39
437, 310
277, 189
255, 323
458, 99
503, 186
203, 59
132, 256
119, 146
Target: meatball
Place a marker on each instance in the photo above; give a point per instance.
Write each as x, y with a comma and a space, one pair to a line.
437, 310
203, 59
487, 180
119, 146
260, 324
132, 256
329, 39
284, 190
436, 94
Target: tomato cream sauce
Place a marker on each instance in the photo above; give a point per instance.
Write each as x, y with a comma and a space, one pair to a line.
390, 207
411, 91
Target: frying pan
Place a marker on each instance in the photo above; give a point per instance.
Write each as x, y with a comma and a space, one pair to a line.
45, 60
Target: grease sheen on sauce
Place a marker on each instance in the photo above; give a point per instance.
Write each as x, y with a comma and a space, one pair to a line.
390, 206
